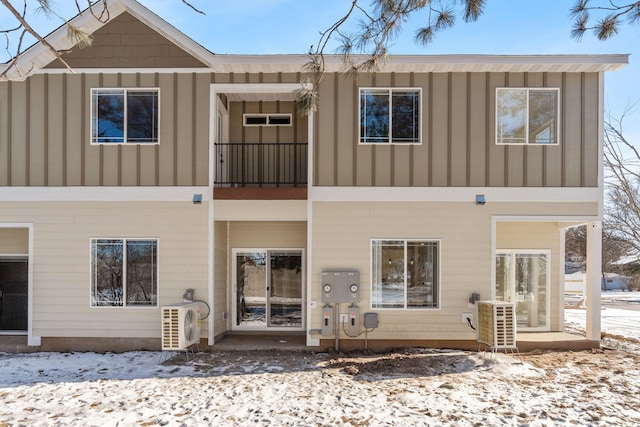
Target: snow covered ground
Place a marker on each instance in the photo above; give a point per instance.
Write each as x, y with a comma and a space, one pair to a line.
418, 387
624, 322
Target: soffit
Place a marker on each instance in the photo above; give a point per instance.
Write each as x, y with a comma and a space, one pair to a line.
430, 63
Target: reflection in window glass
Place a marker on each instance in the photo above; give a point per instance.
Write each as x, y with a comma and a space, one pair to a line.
406, 116
142, 116
374, 116
512, 116
124, 116
124, 272
522, 279
389, 116
141, 272
108, 116
422, 264
405, 274
542, 116
107, 281
526, 116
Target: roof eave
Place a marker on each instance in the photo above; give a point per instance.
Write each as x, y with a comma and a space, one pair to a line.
432, 63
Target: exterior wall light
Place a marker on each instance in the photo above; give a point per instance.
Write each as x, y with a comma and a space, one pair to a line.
197, 199
480, 200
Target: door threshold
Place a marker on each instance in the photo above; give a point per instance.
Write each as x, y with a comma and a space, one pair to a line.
265, 333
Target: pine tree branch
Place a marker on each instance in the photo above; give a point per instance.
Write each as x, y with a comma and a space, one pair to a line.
22, 20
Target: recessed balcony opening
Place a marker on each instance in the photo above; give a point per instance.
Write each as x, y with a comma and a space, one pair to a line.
261, 146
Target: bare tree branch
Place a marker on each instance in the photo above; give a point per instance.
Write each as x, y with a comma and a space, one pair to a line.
622, 181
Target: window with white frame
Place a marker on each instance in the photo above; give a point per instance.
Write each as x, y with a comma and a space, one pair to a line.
405, 274
273, 119
124, 116
389, 116
527, 115
124, 272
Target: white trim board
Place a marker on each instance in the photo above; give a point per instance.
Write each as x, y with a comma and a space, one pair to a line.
103, 194
453, 194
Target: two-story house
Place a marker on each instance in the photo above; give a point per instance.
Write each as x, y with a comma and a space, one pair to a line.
157, 166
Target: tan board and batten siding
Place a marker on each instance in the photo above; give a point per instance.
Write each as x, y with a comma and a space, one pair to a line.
458, 134
61, 306
48, 143
297, 132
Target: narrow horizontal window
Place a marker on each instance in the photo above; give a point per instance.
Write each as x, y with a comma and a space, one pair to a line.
121, 116
527, 116
279, 119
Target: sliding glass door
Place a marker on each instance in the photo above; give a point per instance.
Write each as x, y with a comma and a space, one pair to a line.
522, 277
267, 289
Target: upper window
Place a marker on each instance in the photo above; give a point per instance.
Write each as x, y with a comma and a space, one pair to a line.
278, 119
389, 116
405, 274
120, 116
527, 116
124, 272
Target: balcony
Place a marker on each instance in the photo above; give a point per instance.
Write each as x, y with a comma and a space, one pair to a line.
261, 170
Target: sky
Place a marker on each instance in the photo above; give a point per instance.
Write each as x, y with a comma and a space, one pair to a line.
291, 26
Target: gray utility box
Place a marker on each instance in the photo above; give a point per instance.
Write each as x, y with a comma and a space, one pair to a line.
371, 320
353, 321
340, 286
328, 321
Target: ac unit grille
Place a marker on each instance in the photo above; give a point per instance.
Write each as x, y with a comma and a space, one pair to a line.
497, 324
180, 326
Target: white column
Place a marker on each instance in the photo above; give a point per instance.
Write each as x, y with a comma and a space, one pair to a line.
593, 279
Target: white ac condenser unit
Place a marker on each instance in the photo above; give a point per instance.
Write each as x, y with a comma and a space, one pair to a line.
497, 324
180, 326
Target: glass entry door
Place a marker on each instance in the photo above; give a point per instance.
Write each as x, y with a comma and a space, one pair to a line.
267, 289
522, 277
14, 285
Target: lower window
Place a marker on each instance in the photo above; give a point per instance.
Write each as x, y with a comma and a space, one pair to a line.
124, 272
405, 274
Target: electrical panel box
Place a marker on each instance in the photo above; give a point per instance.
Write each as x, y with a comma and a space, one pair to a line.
328, 321
371, 320
353, 321
340, 286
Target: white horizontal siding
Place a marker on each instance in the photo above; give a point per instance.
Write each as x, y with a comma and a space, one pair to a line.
342, 233
341, 239
61, 261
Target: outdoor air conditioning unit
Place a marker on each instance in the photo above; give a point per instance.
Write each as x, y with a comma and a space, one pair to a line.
496, 324
180, 326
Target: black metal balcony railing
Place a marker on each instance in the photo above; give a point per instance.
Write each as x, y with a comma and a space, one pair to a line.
261, 164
